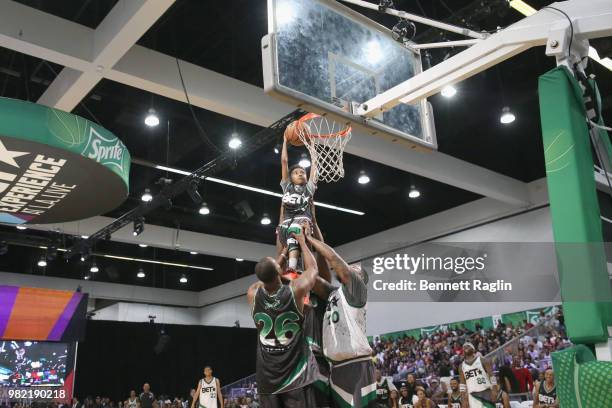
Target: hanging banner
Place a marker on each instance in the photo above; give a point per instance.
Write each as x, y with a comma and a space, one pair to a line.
56, 166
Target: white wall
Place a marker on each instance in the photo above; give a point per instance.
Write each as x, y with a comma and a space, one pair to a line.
227, 312
533, 226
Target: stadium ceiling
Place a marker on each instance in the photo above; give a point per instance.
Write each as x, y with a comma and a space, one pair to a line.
111, 60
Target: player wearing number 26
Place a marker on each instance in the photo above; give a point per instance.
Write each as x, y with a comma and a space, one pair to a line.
285, 364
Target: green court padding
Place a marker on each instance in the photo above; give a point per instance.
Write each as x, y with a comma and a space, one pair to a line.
585, 285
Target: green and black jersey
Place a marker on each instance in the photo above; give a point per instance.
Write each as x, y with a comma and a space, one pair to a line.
284, 360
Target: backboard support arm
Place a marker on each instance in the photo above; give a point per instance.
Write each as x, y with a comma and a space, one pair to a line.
549, 27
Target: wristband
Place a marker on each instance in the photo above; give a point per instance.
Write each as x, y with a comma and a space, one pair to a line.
462, 387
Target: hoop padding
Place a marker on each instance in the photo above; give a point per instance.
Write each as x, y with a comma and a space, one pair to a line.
325, 139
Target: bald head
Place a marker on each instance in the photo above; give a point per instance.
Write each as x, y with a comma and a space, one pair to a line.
267, 270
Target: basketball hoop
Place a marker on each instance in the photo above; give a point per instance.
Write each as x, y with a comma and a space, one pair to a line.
325, 140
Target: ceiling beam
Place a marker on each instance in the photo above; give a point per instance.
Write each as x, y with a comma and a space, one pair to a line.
164, 237
29, 31
116, 34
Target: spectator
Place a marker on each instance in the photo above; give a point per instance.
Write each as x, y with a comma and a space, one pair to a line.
146, 397
437, 390
523, 375
394, 399
422, 400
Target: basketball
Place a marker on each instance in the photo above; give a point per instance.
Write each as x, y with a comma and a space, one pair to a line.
293, 131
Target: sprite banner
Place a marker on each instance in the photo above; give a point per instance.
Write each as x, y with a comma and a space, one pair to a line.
56, 166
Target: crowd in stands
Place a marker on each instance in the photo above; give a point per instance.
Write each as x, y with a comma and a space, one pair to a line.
433, 359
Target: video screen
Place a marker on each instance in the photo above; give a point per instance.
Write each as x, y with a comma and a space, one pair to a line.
33, 363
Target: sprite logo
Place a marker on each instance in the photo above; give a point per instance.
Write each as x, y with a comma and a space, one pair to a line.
104, 150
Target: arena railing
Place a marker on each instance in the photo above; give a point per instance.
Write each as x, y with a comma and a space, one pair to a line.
506, 351
245, 387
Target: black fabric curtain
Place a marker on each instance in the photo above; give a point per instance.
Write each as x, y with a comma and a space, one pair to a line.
117, 357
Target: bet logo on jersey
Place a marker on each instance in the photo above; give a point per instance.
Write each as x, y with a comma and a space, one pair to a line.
474, 372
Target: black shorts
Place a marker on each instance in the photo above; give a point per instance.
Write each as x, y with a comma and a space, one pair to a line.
321, 389
299, 398
353, 384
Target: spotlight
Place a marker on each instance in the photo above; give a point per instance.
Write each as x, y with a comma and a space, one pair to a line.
183, 279
152, 119
265, 220
94, 268
21, 227
146, 196
507, 116
235, 141
82, 258
86, 277
304, 161
138, 226
363, 178
414, 193
84, 236
194, 193
42, 262
204, 210
3, 248
448, 91
143, 245
141, 273
239, 259
277, 148
193, 252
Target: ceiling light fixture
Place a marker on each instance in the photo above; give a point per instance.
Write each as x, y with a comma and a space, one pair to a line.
183, 279
234, 142
204, 210
146, 196
151, 261
151, 120
143, 245
250, 188
507, 116
42, 262
265, 220
239, 259
94, 268
21, 227
277, 148
363, 178
141, 273
414, 193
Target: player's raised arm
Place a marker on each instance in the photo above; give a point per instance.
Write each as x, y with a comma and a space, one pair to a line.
252, 291
337, 263
284, 161
220, 394
307, 280
314, 176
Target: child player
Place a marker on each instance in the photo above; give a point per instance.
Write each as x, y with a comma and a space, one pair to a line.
298, 192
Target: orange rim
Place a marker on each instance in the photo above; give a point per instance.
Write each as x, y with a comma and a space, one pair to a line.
309, 116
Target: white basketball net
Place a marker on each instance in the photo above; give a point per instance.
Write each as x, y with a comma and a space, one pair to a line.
325, 140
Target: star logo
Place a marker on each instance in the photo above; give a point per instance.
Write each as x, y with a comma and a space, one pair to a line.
8, 156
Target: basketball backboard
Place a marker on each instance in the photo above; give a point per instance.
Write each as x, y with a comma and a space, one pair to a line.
328, 59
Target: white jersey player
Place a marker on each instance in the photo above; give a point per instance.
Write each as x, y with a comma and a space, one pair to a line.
208, 393
476, 377
345, 343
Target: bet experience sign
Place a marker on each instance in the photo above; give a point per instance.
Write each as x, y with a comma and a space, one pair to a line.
56, 166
